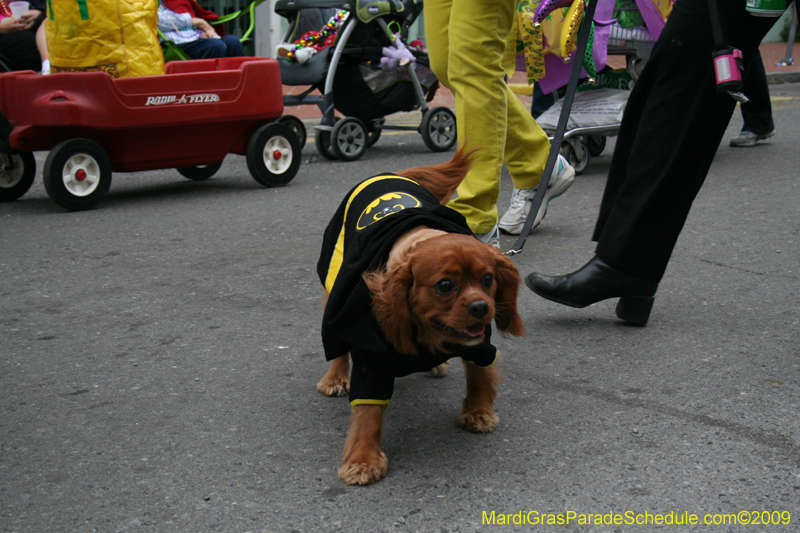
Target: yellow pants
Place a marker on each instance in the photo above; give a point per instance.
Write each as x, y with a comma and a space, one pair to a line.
466, 40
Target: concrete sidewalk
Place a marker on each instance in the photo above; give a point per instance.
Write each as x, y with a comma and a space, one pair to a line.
775, 53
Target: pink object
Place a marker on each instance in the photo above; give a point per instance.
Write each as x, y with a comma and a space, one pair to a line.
726, 68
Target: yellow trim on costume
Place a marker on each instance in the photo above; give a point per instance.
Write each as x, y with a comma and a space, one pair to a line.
487, 366
368, 402
338, 251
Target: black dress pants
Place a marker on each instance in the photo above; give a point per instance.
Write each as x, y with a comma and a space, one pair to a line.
673, 124
757, 113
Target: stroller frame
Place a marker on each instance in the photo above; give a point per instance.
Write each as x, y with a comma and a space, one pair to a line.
348, 138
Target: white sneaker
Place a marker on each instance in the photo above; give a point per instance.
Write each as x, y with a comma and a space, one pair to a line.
492, 238
514, 219
748, 138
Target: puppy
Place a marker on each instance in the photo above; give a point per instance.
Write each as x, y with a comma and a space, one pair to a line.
407, 288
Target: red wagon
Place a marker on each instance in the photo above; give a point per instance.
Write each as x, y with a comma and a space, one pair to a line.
188, 119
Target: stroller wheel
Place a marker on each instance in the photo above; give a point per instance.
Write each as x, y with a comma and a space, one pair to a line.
438, 129
273, 155
576, 151
597, 143
322, 140
349, 139
375, 134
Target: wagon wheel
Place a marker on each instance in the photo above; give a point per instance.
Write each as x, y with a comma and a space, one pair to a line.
199, 173
297, 127
576, 151
273, 155
438, 129
77, 174
349, 139
16, 175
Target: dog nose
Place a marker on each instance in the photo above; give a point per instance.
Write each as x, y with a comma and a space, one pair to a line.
478, 308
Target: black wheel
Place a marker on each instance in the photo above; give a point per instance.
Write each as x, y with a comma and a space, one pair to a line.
322, 140
199, 173
16, 175
273, 155
596, 144
577, 153
297, 127
77, 174
375, 134
349, 139
438, 129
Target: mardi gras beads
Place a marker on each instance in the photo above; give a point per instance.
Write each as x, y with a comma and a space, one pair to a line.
547, 7
312, 40
570, 28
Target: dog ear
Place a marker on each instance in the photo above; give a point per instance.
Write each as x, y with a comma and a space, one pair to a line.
507, 276
390, 305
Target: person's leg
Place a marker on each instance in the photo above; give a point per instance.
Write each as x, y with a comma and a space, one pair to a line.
526, 152
437, 37
476, 40
541, 102
233, 45
757, 113
527, 146
205, 48
673, 124
41, 42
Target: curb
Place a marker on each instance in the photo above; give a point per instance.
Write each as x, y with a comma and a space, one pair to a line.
775, 78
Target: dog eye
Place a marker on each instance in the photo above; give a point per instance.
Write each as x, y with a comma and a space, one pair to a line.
445, 286
487, 280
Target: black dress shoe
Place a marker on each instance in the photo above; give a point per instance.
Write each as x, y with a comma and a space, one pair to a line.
594, 282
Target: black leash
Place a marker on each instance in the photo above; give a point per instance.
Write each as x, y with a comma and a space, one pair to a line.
555, 145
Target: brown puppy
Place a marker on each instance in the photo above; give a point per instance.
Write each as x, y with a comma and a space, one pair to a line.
407, 288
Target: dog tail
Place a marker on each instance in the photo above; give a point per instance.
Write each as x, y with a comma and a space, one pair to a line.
442, 179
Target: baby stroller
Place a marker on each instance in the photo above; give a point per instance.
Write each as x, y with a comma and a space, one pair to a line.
350, 80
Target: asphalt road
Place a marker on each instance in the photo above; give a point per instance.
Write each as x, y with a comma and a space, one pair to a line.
159, 355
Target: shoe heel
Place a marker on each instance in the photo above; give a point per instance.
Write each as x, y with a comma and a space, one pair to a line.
635, 309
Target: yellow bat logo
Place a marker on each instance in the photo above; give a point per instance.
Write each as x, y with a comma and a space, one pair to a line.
385, 205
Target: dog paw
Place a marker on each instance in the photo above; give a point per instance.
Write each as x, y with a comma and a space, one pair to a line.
440, 371
364, 473
479, 422
334, 386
